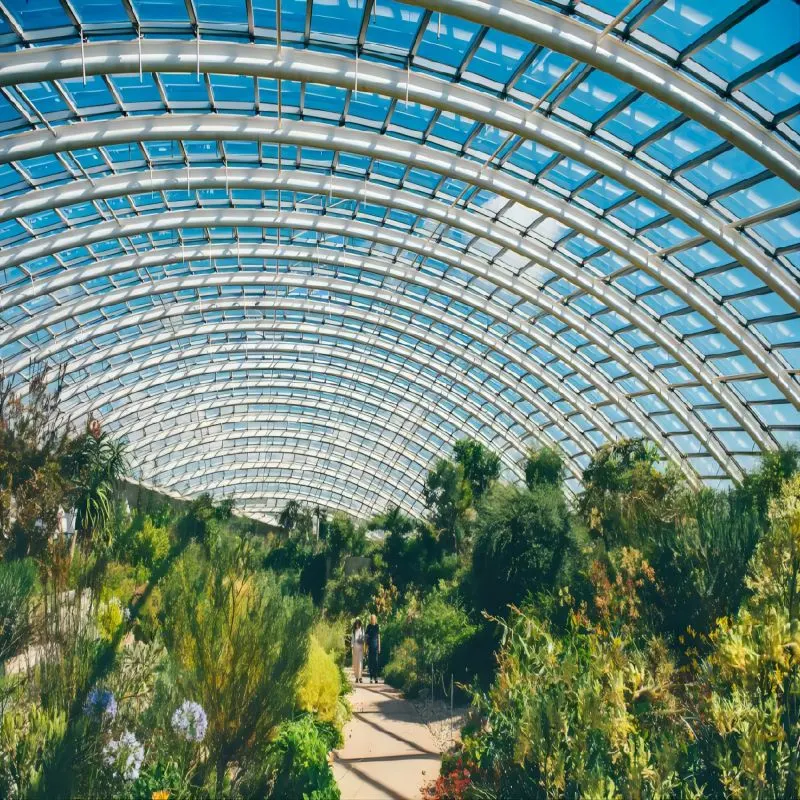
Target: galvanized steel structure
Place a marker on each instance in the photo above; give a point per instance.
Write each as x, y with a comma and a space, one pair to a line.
295, 249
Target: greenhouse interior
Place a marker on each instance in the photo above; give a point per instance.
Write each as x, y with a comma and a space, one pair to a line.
400, 399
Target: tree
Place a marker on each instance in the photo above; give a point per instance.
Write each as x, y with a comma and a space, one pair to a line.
33, 439
290, 515
342, 538
94, 465
297, 518
701, 562
544, 466
626, 497
392, 520
761, 486
480, 465
203, 516
521, 540
447, 497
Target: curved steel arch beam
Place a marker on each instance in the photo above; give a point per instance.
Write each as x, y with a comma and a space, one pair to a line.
327, 224
168, 285
541, 25
352, 480
360, 476
303, 447
309, 495
188, 455
428, 336
339, 414
152, 403
205, 178
535, 334
301, 477
341, 418
547, 339
215, 126
48, 63
309, 492
426, 390
333, 466
341, 434
464, 402
333, 331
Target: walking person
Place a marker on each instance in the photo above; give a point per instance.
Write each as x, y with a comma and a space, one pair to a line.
373, 635
357, 646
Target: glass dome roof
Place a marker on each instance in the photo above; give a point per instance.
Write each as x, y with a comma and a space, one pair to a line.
295, 249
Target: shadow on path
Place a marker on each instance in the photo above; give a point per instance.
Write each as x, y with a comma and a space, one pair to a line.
389, 752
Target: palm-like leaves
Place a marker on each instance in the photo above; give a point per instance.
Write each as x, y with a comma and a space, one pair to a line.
94, 466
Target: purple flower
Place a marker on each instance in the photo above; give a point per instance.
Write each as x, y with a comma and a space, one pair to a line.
190, 722
100, 704
125, 756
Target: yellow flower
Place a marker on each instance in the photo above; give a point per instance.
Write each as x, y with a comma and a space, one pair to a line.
161, 794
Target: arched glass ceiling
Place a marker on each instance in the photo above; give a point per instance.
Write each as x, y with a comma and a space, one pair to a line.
296, 249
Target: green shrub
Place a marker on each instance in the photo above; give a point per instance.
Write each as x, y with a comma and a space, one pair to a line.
351, 595
544, 466
160, 776
150, 544
341, 538
293, 766
122, 580
750, 697
28, 736
401, 668
299, 760
109, 619
627, 496
586, 714
422, 638
417, 561
313, 577
522, 537
320, 685
239, 646
701, 563
18, 584
330, 633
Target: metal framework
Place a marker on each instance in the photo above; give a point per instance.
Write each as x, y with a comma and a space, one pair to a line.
299, 258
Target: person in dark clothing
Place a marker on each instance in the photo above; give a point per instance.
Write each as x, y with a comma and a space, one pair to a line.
373, 637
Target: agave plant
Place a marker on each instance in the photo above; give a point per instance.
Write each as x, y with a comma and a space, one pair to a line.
94, 465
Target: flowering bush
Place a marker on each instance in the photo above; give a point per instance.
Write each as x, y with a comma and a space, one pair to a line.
124, 756
190, 722
586, 714
753, 672
452, 785
100, 704
239, 646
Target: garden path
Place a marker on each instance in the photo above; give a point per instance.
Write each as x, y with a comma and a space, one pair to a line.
389, 753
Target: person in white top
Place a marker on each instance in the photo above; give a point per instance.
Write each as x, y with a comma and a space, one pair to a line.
357, 646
